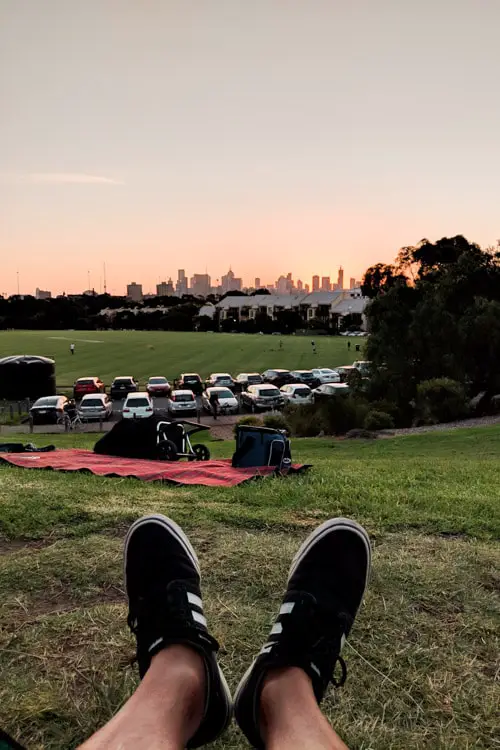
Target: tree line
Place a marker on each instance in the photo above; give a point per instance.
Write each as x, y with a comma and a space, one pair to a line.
85, 312
434, 323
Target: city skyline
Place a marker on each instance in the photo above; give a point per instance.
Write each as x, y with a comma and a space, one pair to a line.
202, 285
179, 133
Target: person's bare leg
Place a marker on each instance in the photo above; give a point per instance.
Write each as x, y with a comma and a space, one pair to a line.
165, 710
290, 718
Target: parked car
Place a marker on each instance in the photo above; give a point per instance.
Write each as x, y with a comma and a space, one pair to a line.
326, 375
158, 386
95, 406
329, 390
182, 402
277, 377
244, 379
297, 393
262, 397
228, 403
364, 366
190, 381
122, 386
220, 379
48, 409
82, 386
302, 376
346, 371
138, 406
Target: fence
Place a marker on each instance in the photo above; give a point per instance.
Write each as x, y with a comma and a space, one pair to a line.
14, 412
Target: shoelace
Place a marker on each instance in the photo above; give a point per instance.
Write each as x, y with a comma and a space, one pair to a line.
317, 634
166, 612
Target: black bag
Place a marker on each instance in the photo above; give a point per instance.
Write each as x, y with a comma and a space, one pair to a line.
261, 446
138, 438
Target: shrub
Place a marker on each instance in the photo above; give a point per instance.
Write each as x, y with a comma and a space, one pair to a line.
440, 400
277, 421
343, 413
250, 419
334, 416
304, 420
378, 420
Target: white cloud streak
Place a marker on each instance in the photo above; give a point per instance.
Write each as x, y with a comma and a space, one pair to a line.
59, 178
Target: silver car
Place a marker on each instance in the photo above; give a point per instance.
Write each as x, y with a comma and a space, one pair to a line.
182, 402
95, 406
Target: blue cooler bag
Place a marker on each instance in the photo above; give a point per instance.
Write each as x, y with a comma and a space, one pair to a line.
261, 446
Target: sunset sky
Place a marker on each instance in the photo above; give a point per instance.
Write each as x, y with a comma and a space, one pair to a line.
272, 135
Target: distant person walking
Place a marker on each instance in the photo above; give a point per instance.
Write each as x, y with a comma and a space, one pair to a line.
313, 344
214, 403
72, 348
349, 346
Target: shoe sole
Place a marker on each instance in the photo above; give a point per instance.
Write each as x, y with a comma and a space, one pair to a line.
333, 524
183, 540
168, 525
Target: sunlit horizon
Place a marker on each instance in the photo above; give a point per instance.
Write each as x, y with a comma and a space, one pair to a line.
177, 134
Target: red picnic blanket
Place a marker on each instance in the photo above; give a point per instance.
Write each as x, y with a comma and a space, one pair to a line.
217, 473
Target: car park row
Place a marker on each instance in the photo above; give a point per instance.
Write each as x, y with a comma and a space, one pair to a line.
187, 396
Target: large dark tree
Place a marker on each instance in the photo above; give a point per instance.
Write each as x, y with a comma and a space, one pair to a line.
436, 313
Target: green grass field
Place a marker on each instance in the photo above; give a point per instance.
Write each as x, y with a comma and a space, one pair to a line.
145, 353
423, 656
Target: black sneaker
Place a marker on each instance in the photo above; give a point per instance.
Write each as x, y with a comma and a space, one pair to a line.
326, 584
162, 578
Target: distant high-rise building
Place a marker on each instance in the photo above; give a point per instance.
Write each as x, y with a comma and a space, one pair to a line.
229, 283
181, 286
358, 284
284, 285
42, 294
201, 284
340, 278
315, 283
165, 288
306, 288
300, 285
257, 283
134, 291
325, 284
352, 283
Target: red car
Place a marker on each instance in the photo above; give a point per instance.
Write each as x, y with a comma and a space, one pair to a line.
83, 386
158, 386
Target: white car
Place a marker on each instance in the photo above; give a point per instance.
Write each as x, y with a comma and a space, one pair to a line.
297, 393
228, 403
138, 406
182, 402
326, 375
95, 406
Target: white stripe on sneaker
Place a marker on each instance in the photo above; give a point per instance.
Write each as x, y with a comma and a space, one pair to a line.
277, 629
266, 648
155, 643
193, 599
287, 608
199, 618
316, 669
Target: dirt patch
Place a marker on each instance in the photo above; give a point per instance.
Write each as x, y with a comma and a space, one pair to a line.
14, 545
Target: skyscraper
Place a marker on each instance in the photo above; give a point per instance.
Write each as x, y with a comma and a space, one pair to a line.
340, 279
182, 284
134, 291
165, 289
325, 284
315, 283
257, 283
352, 283
300, 285
200, 284
229, 283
